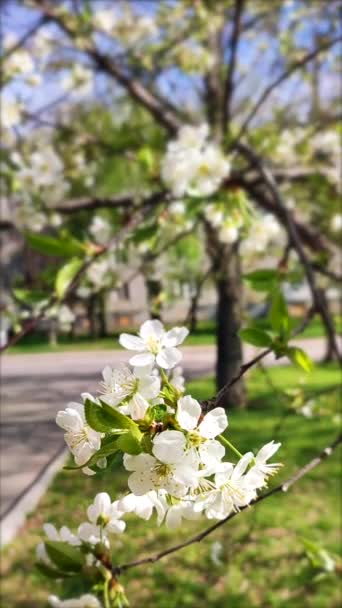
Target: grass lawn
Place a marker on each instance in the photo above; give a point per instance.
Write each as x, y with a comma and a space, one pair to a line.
204, 335
257, 560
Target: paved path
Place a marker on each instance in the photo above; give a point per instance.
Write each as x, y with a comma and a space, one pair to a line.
34, 387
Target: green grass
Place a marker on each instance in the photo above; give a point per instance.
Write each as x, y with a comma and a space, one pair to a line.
204, 335
262, 562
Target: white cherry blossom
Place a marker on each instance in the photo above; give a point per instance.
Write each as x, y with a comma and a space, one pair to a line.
261, 469
154, 344
230, 492
85, 601
193, 164
81, 439
149, 473
144, 505
106, 514
133, 388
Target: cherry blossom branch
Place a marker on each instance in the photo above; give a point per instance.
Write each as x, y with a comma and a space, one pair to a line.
283, 487
130, 201
297, 65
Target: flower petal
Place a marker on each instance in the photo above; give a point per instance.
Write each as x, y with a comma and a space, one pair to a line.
141, 482
169, 446
131, 342
142, 360
175, 336
168, 357
152, 329
267, 451
137, 407
188, 412
213, 423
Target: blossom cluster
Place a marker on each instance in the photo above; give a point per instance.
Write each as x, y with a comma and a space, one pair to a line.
193, 164
175, 455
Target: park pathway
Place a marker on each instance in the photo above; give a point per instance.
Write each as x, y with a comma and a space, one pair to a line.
35, 386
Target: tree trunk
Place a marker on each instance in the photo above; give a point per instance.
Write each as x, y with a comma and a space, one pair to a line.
226, 264
229, 347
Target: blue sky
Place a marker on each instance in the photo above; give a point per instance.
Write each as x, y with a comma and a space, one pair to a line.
18, 19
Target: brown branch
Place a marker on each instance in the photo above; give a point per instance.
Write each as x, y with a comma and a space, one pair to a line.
295, 239
229, 84
297, 65
283, 487
129, 201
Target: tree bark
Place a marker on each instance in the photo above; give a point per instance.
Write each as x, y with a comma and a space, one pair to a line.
229, 347
226, 263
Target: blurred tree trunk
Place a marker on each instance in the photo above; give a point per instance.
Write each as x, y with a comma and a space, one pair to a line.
91, 312
102, 321
226, 263
53, 332
154, 289
330, 353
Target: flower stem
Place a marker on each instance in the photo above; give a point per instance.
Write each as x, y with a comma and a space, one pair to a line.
229, 445
106, 594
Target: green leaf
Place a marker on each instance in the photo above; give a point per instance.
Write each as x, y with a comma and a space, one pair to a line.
120, 421
255, 336
66, 275
97, 417
64, 556
60, 247
145, 233
49, 572
262, 280
299, 357
279, 316
28, 296
129, 444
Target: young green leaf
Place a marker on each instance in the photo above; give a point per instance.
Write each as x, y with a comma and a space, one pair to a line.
66, 275
64, 556
29, 296
299, 357
262, 280
120, 421
98, 418
48, 245
279, 316
255, 336
50, 572
129, 444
